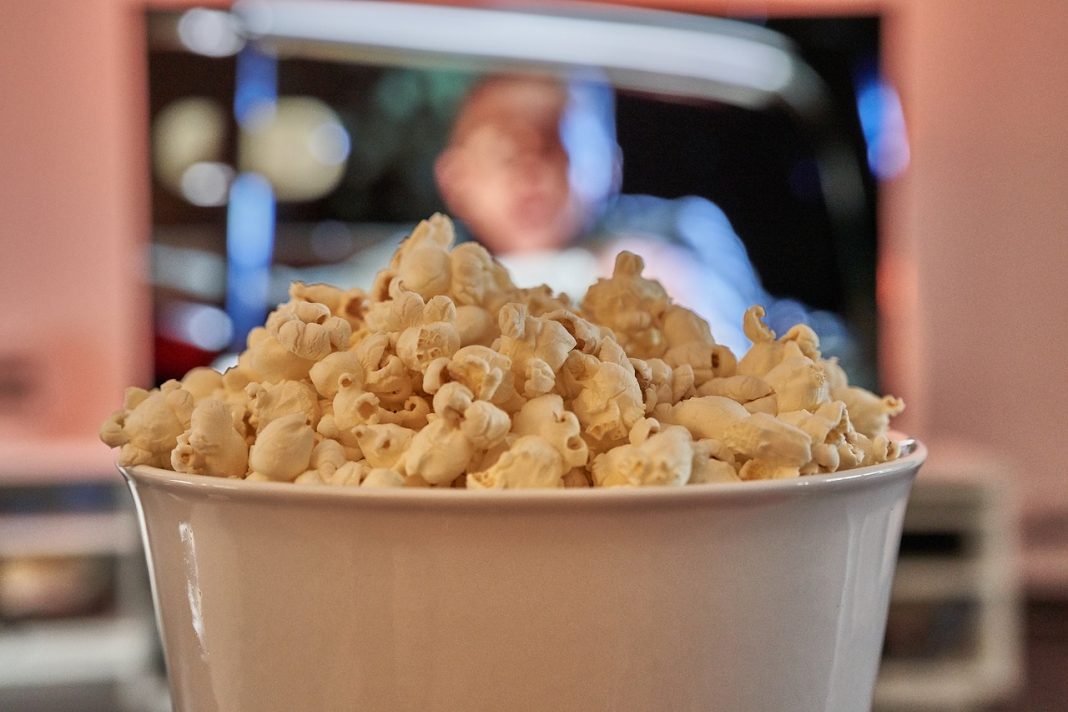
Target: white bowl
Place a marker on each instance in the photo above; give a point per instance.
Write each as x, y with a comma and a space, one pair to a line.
738, 597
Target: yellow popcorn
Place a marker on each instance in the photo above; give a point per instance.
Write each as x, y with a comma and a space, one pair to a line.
446, 374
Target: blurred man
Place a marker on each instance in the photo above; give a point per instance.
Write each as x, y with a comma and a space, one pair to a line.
532, 171
505, 170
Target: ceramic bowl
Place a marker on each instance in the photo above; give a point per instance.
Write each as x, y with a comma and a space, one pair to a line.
734, 597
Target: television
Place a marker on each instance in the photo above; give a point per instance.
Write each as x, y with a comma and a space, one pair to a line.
298, 140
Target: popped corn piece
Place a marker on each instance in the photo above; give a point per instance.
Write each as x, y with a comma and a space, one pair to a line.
146, 429
350, 474
283, 448
690, 343
530, 462
768, 352
309, 477
798, 381
392, 315
875, 450
536, 346
805, 339
328, 456
577, 477
763, 437
706, 360
765, 352
763, 470
268, 361
524, 336
683, 326
850, 451
663, 458
609, 402
385, 374
383, 445
269, 401
326, 374
442, 451
349, 304
661, 383
438, 453
869, 413
750, 391
828, 424
354, 406
212, 445
836, 375
412, 414
475, 325
308, 330
452, 400
383, 477
202, 383
586, 334
485, 372
704, 416
709, 467
547, 418
418, 345
423, 259
825, 457
485, 425
477, 278
631, 306
642, 430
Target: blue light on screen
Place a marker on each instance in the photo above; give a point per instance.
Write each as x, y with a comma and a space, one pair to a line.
249, 249
257, 84
883, 124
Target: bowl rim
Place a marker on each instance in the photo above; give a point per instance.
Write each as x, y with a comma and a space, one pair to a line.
204, 486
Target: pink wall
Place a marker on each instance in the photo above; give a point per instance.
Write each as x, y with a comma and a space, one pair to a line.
985, 87
73, 220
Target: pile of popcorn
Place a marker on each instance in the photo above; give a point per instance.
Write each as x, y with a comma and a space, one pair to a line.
445, 374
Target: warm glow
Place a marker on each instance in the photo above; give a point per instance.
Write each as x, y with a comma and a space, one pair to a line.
300, 147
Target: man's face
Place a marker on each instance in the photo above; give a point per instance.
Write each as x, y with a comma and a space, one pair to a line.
507, 178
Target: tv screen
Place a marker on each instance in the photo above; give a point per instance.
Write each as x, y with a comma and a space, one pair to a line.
314, 167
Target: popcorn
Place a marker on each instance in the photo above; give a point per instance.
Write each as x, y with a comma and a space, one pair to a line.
147, 428
383, 445
529, 463
797, 381
755, 394
283, 449
547, 418
653, 457
269, 401
308, 330
382, 477
704, 416
212, 445
446, 374
326, 374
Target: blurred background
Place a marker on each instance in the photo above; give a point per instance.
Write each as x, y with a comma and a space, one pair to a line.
890, 171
